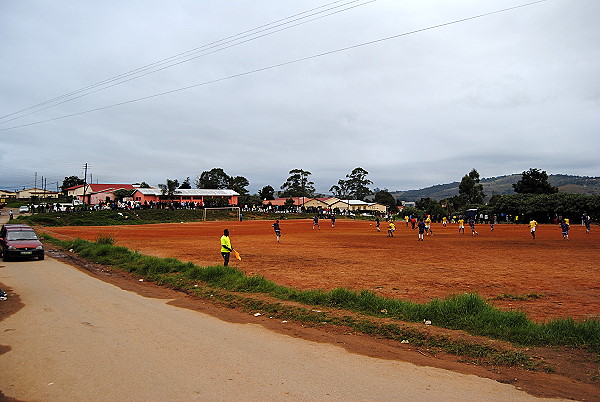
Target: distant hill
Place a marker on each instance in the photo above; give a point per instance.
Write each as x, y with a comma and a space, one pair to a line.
503, 185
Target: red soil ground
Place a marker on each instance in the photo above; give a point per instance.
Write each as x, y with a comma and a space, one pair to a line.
564, 274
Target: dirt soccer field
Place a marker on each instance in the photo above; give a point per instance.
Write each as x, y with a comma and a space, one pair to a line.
561, 277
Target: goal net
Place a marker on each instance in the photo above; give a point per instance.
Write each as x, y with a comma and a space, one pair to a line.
221, 213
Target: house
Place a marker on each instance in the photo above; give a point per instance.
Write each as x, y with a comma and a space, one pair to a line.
298, 201
7, 195
91, 188
377, 207
201, 196
40, 193
307, 202
358, 205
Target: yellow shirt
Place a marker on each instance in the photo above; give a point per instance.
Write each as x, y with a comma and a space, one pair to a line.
532, 224
567, 221
225, 241
428, 221
461, 222
392, 226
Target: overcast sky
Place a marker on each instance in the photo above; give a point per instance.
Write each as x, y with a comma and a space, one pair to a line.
501, 93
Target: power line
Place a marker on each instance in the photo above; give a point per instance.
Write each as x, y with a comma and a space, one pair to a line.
372, 42
139, 72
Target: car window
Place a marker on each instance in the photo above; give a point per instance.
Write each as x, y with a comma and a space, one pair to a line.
21, 235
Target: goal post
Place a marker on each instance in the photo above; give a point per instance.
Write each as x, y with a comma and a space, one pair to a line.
213, 213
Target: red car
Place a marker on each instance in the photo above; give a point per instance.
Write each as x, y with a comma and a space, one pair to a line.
20, 241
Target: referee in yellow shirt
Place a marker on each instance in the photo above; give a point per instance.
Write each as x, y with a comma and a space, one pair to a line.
226, 248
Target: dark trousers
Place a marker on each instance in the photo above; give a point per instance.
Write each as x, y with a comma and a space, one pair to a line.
226, 258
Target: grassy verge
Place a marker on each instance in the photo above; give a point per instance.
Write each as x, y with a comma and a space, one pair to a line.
468, 312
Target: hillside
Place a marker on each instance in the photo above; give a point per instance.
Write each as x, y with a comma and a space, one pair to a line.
503, 185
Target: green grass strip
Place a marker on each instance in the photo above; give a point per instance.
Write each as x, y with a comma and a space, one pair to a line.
468, 312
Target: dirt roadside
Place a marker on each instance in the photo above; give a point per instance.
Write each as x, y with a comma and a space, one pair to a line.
568, 382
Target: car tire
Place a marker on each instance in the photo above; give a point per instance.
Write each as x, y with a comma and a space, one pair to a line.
5, 257
41, 257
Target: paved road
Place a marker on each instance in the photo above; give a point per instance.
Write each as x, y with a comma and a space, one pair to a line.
78, 338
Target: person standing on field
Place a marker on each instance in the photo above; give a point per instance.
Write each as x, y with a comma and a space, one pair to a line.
277, 230
428, 226
532, 227
422, 227
226, 248
391, 229
472, 225
461, 225
316, 222
378, 224
564, 226
587, 221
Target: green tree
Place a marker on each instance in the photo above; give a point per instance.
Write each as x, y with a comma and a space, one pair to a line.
298, 185
123, 193
70, 182
384, 197
470, 189
267, 193
341, 190
358, 183
534, 181
169, 188
144, 185
355, 186
215, 178
238, 184
186, 184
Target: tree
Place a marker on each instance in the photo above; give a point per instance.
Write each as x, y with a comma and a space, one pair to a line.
71, 181
384, 197
341, 190
186, 184
470, 189
355, 187
534, 181
267, 193
123, 193
298, 185
238, 184
144, 185
358, 183
215, 178
169, 188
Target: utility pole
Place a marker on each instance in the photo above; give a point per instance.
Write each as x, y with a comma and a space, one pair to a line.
84, 184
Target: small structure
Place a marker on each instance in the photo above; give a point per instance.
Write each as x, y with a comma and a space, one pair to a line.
40, 193
200, 196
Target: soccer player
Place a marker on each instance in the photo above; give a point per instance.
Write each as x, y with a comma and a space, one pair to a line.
391, 229
378, 224
472, 224
492, 222
428, 226
316, 222
564, 226
332, 220
587, 221
226, 248
422, 228
532, 226
277, 230
444, 221
461, 225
